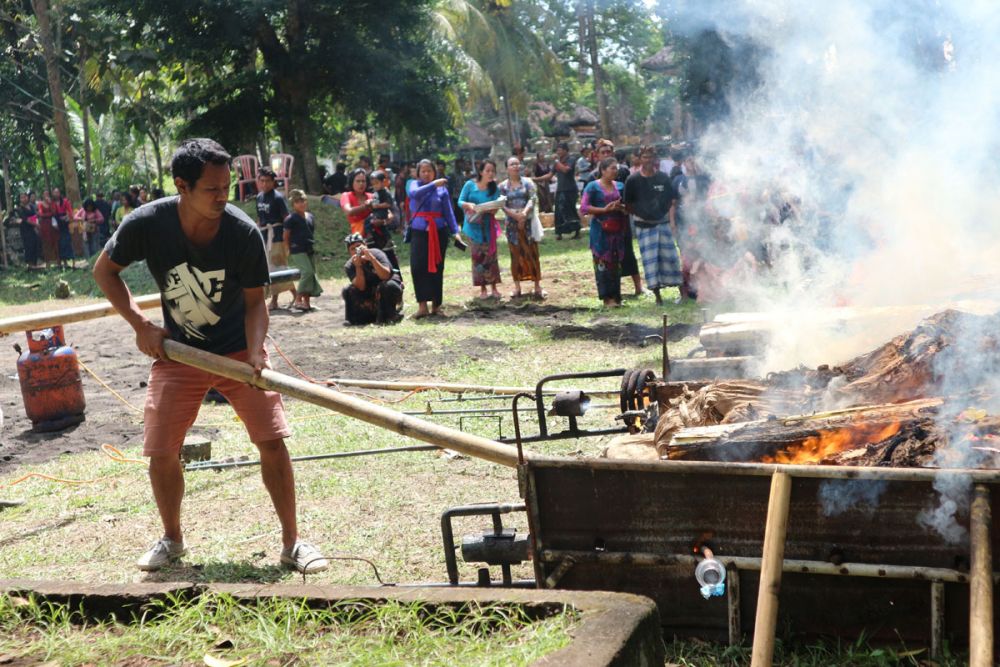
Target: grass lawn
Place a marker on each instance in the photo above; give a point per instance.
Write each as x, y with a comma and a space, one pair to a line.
385, 509
282, 632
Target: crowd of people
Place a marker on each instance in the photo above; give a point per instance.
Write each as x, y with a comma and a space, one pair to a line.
431, 206
55, 233
664, 204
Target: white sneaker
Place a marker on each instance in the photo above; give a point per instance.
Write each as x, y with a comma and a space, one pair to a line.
304, 557
162, 552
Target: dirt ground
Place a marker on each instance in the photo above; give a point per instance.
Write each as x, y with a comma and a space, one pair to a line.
107, 347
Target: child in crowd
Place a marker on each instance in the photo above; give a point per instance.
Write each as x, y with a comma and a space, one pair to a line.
383, 220
298, 240
89, 221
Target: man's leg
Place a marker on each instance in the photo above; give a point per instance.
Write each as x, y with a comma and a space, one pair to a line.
276, 470
166, 476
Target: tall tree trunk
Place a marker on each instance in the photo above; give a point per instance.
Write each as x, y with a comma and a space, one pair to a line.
262, 147
59, 121
8, 207
39, 136
581, 41
595, 66
87, 164
506, 118
155, 138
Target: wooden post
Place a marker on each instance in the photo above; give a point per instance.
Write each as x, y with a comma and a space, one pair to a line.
466, 443
937, 618
770, 570
733, 603
981, 580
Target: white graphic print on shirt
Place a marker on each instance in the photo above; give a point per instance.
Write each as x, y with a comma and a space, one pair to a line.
190, 294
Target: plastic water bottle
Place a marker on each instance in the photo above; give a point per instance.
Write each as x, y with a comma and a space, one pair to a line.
711, 576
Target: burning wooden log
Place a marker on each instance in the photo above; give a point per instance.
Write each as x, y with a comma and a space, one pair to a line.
888, 414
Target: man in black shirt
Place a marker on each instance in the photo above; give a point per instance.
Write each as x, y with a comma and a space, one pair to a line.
336, 182
567, 218
648, 197
376, 290
207, 258
272, 209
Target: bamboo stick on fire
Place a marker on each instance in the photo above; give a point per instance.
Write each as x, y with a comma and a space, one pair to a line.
980, 580
419, 429
770, 570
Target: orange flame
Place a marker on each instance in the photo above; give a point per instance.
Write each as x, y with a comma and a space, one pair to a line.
818, 447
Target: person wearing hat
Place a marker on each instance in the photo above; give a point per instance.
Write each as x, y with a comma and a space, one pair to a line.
298, 241
375, 293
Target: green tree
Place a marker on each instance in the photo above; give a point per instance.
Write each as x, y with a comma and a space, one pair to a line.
355, 56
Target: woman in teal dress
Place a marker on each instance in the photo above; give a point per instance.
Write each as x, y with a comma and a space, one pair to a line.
602, 199
482, 228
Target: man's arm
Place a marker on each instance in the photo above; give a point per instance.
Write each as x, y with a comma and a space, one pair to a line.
256, 322
148, 335
381, 270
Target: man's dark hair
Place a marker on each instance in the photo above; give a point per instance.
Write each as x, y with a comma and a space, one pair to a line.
192, 155
365, 158
100, 195
266, 171
563, 145
377, 175
383, 158
340, 168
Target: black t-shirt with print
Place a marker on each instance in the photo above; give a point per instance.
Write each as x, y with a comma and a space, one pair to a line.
649, 196
201, 287
300, 233
272, 209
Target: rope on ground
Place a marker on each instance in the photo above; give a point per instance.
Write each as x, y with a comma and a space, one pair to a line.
334, 385
110, 451
131, 405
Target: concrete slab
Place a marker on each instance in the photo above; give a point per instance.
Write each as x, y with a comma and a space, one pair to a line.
615, 630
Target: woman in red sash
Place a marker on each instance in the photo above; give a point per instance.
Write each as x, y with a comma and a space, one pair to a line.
432, 221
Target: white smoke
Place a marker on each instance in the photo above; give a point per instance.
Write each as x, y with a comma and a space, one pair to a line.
879, 118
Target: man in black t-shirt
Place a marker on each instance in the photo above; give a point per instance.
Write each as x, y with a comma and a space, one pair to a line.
272, 209
376, 290
336, 183
567, 218
648, 197
207, 258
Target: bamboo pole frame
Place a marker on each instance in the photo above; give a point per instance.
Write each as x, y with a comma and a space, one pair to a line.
980, 580
441, 436
770, 570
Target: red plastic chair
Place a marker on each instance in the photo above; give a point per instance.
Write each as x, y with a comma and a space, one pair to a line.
246, 172
282, 163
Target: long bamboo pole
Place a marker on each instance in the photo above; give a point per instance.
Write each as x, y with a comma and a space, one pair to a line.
980, 580
466, 443
448, 387
69, 315
770, 570
103, 309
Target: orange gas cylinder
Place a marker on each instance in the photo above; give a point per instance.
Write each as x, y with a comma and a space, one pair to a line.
50, 381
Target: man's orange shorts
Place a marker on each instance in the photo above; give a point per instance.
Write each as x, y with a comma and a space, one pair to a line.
174, 395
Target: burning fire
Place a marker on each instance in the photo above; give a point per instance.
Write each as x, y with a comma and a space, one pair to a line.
828, 443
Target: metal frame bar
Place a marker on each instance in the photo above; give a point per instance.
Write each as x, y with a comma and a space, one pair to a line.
448, 534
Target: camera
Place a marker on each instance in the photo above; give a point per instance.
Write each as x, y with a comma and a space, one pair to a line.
358, 250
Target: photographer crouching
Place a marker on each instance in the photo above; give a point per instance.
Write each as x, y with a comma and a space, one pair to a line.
376, 290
